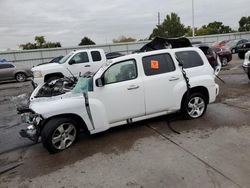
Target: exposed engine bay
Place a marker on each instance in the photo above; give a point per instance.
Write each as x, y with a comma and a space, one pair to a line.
60, 86
56, 87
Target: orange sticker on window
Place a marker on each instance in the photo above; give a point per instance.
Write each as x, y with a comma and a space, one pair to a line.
154, 64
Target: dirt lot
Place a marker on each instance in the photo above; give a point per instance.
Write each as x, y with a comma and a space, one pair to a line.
212, 151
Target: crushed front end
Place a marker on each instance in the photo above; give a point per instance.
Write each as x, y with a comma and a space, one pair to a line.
33, 120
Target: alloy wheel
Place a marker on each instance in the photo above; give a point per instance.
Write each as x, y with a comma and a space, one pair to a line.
196, 107
64, 136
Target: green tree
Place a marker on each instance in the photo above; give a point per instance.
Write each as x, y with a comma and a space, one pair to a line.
124, 39
86, 41
40, 42
218, 28
171, 27
244, 24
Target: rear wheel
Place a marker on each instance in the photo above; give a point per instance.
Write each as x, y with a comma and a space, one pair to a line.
20, 77
224, 61
233, 51
195, 106
59, 134
248, 76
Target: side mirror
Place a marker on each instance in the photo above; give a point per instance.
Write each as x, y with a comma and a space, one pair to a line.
180, 64
72, 61
99, 82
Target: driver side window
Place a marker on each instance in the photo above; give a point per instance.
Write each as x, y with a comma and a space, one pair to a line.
122, 71
81, 57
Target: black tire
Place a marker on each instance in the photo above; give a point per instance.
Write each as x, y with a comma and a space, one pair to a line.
51, 129
185, 109
50, 79
20, 77
224, 61
248, 76
241, 55
233, 51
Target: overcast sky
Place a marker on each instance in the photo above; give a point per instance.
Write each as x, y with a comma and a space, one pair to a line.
67, 21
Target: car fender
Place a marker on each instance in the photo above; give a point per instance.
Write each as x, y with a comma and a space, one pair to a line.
99, 115
68, 105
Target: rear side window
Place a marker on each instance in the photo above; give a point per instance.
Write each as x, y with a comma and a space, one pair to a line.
189, 59
96, 56
158, 64
5, 66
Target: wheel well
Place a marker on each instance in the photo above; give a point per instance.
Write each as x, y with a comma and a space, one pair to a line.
81, 124
199, 89
58, 74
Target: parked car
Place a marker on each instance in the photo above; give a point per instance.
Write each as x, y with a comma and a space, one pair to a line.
224, 54
233, 44
73, 64
124, 90
113, 55
242, 49
212, 52
220, 44
54, 60
246, 64
9, 71
3, 60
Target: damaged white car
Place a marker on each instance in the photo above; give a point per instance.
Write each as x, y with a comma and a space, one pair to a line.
125, 90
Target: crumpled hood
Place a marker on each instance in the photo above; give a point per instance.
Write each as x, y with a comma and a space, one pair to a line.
69, 103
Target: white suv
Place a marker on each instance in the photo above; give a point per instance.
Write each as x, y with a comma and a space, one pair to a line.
125, 90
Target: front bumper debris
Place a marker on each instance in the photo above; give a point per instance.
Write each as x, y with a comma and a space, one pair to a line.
34, 120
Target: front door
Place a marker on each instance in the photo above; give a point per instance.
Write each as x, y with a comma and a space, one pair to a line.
82, 63
122, 94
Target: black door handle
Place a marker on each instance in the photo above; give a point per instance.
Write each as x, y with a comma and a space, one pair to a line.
87, 66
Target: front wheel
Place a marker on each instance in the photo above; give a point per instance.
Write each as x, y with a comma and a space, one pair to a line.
59, 134
195, 106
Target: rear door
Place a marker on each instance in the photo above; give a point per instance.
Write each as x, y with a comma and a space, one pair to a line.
161, 77
97, 60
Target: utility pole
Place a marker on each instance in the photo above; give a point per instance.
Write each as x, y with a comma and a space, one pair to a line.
193, 18
159, 18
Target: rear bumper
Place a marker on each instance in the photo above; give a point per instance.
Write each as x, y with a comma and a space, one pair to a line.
213, 92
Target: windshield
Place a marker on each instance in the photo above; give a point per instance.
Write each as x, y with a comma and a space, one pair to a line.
65, 58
